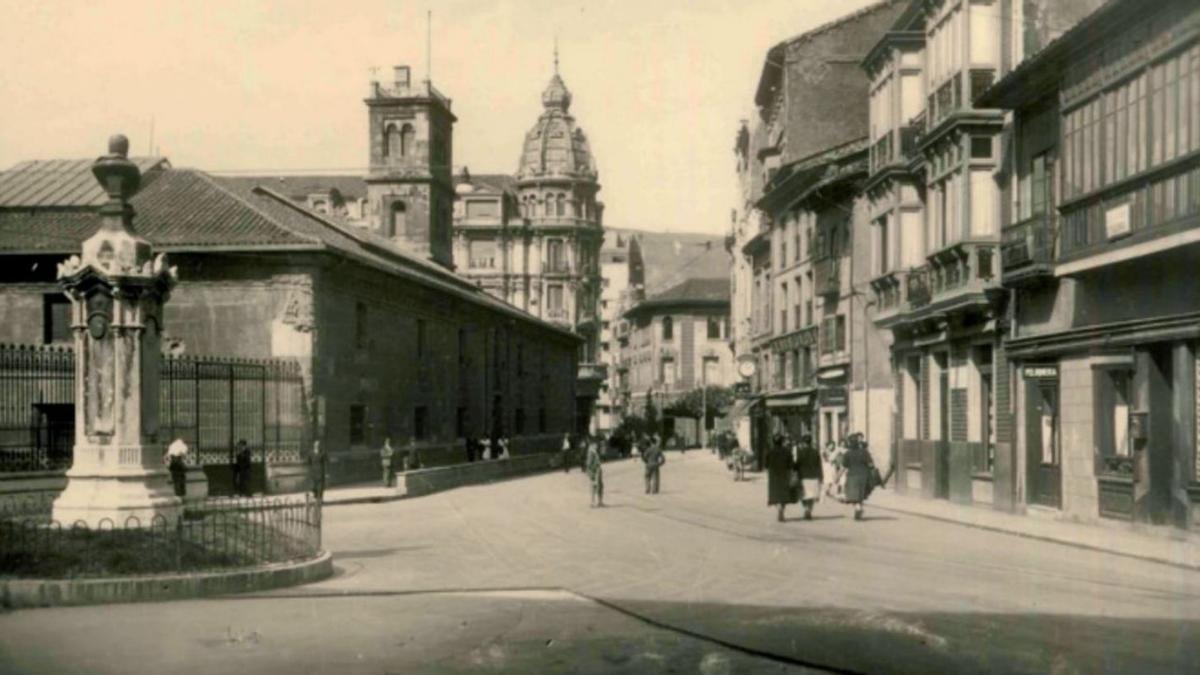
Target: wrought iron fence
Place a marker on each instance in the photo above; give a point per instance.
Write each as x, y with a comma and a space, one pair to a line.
209, 402
216, 534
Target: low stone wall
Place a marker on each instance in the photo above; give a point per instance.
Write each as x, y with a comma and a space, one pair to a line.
428, 481
363, 465
27, 593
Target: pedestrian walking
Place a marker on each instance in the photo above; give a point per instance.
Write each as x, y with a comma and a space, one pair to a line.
780, 476
486, 452
811, 473
566, 453
241, 468
653, 459
317, 465
386, 455
859, 470
504, 449
595, 472
832, 458
176, 464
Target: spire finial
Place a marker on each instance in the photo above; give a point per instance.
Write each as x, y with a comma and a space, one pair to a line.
556, 53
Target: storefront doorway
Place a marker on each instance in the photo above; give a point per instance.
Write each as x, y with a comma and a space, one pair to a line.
1042, 445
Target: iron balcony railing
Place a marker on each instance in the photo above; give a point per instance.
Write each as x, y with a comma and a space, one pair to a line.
1029, 242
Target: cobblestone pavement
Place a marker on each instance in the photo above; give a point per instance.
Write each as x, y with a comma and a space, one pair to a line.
699, 578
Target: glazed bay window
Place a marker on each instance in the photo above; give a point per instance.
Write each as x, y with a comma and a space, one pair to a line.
1149, 118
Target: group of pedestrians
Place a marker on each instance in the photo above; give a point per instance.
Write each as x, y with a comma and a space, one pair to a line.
487, 449
408, 460
648, 448
796, 472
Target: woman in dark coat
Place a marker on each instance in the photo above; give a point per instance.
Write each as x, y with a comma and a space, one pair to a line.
808, 467
779, 475
859, 468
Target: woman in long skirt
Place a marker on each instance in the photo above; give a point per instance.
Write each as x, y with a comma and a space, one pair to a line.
779, 475
595, 472
808, 467
859, 468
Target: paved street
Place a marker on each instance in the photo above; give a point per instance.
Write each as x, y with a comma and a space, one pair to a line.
523, 576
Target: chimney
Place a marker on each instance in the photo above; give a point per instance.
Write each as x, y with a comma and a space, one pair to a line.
402, 77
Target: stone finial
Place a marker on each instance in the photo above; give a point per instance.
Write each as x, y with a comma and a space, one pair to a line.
119, 177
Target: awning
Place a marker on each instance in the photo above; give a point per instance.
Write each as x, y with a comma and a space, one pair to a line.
831, 374
801, 401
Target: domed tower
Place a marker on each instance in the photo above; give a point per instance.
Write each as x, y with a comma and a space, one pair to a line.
557, 184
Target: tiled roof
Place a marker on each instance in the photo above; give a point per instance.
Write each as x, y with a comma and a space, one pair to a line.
692, 292
189, 210
492, 182
62, 182
300, 187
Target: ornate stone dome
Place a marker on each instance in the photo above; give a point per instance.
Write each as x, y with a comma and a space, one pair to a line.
555, 146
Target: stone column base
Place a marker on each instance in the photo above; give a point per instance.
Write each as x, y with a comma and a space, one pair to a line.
131, 498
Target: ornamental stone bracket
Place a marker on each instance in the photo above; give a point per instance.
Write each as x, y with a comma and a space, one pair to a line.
117, 288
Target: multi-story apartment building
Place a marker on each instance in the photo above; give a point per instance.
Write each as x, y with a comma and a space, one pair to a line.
938, 159
1100, 245
799, 167
677, 342
622, 280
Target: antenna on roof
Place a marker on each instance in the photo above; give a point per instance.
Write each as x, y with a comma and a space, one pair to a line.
429, 45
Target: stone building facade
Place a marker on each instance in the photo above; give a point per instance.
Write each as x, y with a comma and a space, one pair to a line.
391, 343
1098, 255
677, 342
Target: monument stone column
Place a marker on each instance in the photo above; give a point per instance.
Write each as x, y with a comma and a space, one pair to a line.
117, 289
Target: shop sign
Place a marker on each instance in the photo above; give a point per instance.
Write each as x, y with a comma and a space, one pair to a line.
832, 396
1044, 372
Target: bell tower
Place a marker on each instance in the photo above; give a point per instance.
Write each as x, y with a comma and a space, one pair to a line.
410, 191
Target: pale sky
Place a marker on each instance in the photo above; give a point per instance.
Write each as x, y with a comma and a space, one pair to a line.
272, 86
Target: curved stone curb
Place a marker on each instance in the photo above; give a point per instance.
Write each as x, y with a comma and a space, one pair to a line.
25, 593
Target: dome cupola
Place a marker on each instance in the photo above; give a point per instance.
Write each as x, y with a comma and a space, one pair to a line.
555, 146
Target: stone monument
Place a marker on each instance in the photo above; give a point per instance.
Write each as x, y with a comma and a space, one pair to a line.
117, 289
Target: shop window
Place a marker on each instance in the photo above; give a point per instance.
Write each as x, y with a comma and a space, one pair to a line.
1113, 397
1048, 422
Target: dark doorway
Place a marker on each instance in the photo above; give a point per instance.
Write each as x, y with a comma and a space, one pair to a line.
1042, 445
942, 453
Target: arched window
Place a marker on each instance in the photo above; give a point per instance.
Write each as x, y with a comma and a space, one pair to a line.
668, 329
549, 205
397, 222
407, 136
560, 206
391, 141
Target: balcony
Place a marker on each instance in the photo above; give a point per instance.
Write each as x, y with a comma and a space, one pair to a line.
1027, 249
886, 153
916, 288
556, 267
557, 314
957, 278
828, 276
891, 293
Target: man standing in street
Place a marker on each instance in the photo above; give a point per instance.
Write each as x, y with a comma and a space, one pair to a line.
385, 461
653, 458
317, 464
242, 463
176, 454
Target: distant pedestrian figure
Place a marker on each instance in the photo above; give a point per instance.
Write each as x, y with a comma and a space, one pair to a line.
486, 452
566, 453
832, 458
176, 464
386, 455
504, 449
317, 465
595, 472
412, 459
808, 467
653, 459
780, 474
859, 469
241, 469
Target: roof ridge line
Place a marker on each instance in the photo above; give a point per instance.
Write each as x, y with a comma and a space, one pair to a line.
210, 180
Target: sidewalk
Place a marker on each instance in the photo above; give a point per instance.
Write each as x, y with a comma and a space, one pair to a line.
1161, 545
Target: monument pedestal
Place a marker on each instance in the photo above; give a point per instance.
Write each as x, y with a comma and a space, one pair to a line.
117, 288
